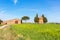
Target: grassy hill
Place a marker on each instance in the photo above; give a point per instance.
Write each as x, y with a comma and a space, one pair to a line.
37, 31
31, 32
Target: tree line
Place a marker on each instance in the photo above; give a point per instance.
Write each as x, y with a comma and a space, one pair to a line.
36, 19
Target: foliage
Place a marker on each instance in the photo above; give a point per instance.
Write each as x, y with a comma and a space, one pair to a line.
0, 21
44, 18
36, 19
25, 18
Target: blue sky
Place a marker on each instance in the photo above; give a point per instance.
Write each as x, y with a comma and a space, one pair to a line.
10, 9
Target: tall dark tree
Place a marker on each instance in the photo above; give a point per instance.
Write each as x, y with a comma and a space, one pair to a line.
0, 21
36, 19
44, 18
25, 18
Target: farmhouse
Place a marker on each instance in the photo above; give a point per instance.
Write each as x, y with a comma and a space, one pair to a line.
41, 20
12, 21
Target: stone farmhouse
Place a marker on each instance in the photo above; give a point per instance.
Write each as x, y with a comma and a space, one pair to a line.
18, 21
41, 20
12, 21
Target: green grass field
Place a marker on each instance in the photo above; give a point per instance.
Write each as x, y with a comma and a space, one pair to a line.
31, 32
37, 31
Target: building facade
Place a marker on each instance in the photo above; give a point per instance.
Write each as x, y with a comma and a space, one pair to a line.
13, 21
41, 20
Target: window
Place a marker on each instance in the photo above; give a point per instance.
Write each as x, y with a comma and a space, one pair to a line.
16, 22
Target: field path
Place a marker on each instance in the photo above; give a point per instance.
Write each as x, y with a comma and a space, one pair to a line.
4, 26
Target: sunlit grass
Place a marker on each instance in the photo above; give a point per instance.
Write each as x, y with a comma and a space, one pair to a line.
38, 31
31, 32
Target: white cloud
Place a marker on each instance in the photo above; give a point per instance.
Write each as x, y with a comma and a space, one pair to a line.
15, 1
4, 15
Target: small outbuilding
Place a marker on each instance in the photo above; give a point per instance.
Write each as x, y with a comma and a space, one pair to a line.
41, 20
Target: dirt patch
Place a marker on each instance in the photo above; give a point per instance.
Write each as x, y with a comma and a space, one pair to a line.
8, 34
